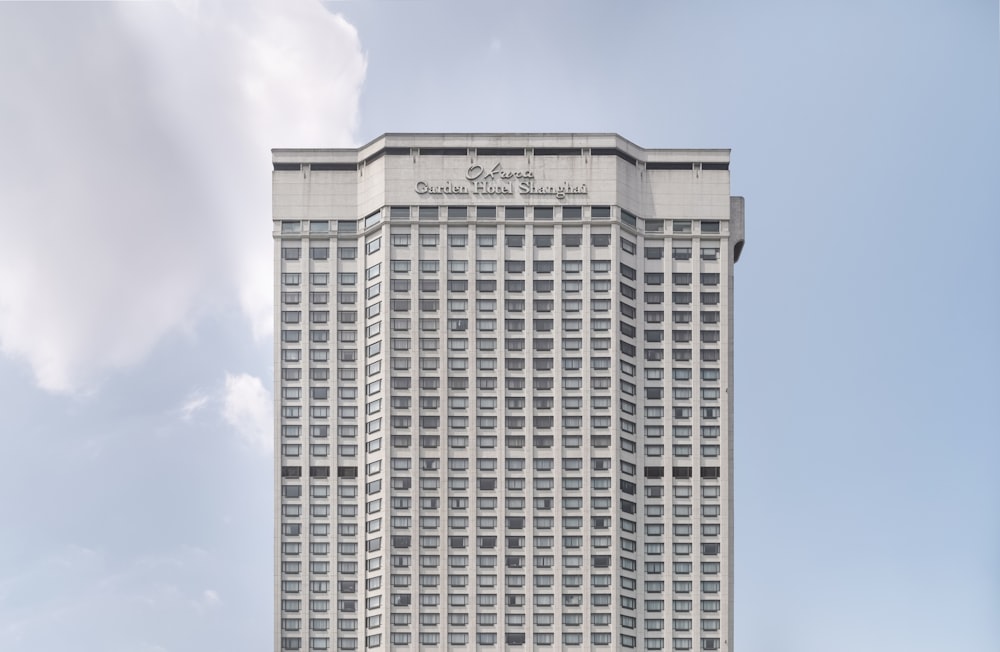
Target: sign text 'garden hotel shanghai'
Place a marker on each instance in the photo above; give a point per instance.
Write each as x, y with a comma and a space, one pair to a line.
496, 180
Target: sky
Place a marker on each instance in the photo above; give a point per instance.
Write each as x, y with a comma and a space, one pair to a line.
135, 286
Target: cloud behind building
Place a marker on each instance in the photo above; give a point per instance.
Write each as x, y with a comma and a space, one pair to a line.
134, 178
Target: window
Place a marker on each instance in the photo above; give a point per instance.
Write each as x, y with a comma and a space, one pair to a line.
514, 212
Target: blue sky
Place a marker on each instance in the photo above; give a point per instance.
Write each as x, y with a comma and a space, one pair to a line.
135, 356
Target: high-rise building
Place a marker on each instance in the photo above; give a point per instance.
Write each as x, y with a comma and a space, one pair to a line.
504, 394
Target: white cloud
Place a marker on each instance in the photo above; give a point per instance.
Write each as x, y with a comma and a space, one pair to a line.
247, 407
193, 404
135, 171
207, 600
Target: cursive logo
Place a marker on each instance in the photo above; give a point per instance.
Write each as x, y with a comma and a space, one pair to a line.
477, 172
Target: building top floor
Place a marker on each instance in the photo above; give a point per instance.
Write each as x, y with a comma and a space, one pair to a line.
501, 145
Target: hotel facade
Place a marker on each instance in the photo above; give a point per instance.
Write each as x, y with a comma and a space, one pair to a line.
504, 394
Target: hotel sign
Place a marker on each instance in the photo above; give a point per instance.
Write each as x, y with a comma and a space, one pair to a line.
496, 181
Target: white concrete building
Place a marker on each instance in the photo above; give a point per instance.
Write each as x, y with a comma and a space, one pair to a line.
503, 394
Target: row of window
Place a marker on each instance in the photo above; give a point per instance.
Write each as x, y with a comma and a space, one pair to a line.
490, 464
402, 541
680, 374
509, 213
513, 266
349, 431
681, 252
512, 484
398, 618
490, 639
518, 306
401, 438
511, 363
512, 464
513, 306
321, 549
569, 304
513, 240
513, 504
348, 587
514, 522
457, 619
457, 267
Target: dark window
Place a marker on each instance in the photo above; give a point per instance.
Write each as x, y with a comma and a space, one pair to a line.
543, 286
514, 286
